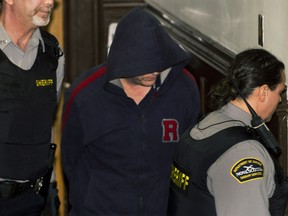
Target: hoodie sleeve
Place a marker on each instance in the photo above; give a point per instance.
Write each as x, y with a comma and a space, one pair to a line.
72, 136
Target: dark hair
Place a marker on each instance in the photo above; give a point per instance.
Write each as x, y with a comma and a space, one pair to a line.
250, 69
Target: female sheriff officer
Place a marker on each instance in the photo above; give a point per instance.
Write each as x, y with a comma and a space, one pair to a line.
222, 166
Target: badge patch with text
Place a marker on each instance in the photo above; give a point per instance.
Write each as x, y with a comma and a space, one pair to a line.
247, 169
180, 178
44, 82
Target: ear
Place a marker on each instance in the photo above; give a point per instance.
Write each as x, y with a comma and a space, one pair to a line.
263, 92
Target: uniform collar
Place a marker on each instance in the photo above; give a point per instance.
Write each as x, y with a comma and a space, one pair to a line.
4, 37
34, 41
237, 113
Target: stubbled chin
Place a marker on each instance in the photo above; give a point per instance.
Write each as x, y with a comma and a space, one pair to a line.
41, 21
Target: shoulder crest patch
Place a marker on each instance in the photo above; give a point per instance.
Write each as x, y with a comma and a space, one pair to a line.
247, 169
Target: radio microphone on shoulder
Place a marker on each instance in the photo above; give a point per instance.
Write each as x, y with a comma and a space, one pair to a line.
261, 128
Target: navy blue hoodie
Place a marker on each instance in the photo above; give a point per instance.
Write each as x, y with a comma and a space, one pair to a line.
116, 154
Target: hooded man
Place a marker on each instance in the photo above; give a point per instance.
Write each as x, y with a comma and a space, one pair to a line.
122, 120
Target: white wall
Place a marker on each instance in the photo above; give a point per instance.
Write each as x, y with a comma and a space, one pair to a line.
234, 23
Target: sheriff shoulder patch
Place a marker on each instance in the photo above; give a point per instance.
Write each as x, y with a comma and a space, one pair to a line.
247, 169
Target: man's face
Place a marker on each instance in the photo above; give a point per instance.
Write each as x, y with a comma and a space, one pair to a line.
147, 80
37, 12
